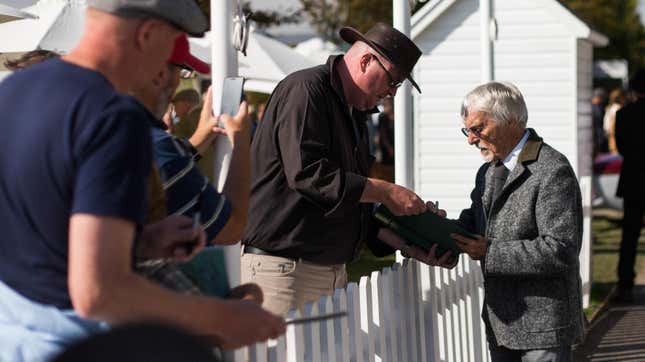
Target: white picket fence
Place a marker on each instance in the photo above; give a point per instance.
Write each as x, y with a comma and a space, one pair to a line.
407, 312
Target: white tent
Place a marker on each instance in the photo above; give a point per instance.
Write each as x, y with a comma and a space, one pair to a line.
317, 49
58, 27
8, 13
267, 61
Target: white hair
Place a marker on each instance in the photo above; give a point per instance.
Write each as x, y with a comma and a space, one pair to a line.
500, 101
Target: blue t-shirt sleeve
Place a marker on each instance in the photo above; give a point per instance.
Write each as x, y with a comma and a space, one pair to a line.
113, 158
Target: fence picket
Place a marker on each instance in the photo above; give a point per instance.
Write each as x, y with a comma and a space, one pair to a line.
295, 339
365, 292
312, 334
410, 323
354, 317
258, 352
341, 326
327, 330
418, 315
378, 317
397, 313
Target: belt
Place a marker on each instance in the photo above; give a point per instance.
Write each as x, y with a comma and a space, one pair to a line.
248, 249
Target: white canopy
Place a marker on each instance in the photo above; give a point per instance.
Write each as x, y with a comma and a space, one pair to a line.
58, 27
8, 13
317, 49
266, 63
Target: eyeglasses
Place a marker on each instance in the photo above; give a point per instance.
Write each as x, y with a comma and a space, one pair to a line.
184, 71
476, 131
392, 83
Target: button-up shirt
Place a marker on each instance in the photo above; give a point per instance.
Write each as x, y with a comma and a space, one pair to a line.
309, 162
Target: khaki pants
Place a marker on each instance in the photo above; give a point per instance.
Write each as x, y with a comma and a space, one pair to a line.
289, 284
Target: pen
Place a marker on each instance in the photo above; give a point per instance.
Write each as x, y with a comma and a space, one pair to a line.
316, 318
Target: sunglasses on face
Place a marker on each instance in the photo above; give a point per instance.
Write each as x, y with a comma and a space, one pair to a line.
184, 71
392, 82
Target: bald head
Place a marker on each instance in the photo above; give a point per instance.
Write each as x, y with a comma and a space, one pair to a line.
366, 76
130, 52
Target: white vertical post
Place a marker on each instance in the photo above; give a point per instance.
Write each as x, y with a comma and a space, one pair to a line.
486, 46
378, 317
312, 333
295, 339
403, 127
224, 64
354, 316
365, 290
328, 337
341, 329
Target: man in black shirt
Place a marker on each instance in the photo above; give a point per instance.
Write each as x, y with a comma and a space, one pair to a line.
630, 125
311, 200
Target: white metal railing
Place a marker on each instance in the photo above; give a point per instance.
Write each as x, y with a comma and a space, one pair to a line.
407, 312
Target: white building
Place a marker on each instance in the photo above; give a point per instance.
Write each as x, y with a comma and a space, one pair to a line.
536, 44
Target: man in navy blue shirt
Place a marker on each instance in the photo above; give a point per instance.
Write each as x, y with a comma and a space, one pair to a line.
74, 157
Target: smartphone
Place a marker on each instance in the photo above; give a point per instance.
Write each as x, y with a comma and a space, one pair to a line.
317, 318
232, 96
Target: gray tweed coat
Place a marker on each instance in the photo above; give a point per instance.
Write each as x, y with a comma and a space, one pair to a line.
531, 271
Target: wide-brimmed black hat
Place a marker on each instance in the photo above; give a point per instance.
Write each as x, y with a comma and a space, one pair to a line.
390, 43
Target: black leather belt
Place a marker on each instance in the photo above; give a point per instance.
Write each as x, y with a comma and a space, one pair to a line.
248, 249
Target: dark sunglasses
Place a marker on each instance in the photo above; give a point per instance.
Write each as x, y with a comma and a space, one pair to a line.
185, 72
392, 83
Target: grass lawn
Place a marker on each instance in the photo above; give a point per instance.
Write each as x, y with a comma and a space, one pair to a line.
606, 242
606, 233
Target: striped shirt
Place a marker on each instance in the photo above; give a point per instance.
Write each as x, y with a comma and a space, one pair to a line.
187, 189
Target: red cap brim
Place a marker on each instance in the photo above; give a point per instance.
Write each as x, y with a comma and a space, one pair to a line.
197, 65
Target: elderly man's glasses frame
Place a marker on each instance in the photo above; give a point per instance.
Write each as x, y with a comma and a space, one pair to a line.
475, 130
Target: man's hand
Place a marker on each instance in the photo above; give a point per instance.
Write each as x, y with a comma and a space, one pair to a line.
207, 128
398, 199
475, 248
247, 324
240, 124
429, 257
248, 291
402, 201
167, 119
170, 238
432, 207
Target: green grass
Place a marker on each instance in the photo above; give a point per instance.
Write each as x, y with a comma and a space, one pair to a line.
606, 234
366, 264
606, 242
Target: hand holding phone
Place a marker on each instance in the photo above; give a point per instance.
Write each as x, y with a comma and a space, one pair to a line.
232, 96
228, 103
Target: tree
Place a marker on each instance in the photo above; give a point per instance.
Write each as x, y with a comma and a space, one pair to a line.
620, 22
328, 16
261, 19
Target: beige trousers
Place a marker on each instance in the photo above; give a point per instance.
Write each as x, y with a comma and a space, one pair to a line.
289, 284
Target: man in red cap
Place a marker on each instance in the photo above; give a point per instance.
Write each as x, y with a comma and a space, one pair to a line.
186, 190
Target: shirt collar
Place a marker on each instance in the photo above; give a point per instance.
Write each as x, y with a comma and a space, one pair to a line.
511, 160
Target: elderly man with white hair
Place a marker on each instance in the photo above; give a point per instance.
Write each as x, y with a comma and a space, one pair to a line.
527, 213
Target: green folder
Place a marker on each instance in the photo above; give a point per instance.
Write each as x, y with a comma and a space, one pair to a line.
424, 230
208, 271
